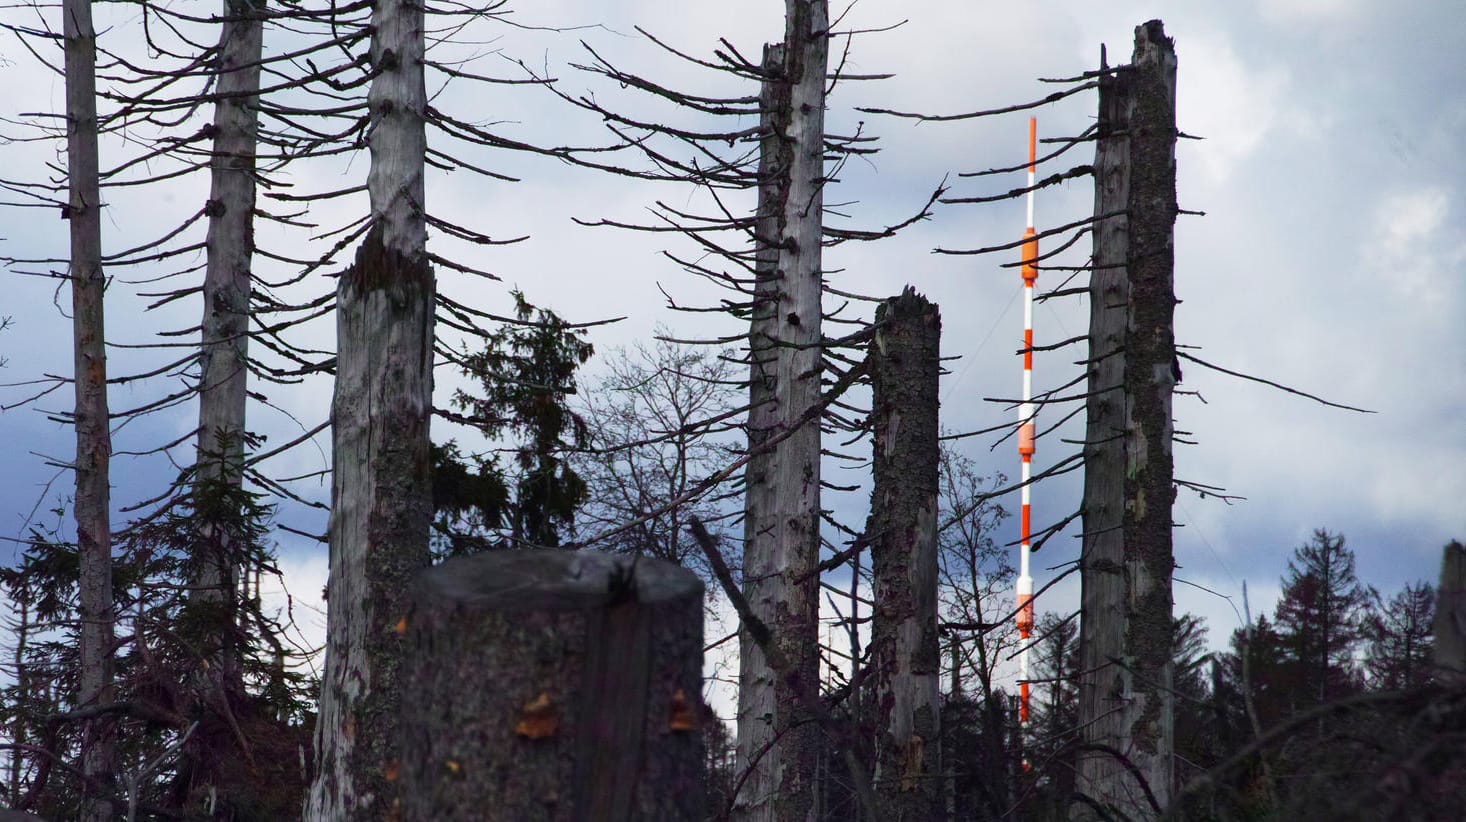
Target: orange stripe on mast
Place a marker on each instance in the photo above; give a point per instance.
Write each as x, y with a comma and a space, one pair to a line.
1032, 144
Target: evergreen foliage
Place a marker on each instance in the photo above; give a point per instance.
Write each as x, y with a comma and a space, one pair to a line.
192, 731
524, 375
1400, 633
1323, 617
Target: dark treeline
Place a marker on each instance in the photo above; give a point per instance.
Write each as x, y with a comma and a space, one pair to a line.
1310, 712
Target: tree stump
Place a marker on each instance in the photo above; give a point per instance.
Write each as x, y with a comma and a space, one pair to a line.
553, 685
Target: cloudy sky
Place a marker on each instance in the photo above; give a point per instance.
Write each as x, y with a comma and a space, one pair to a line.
1331, 257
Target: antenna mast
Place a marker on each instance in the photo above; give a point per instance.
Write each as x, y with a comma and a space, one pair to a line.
1026, 414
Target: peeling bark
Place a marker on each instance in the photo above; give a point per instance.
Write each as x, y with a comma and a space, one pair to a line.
380, 488
93, 437
905, 364
1126, 627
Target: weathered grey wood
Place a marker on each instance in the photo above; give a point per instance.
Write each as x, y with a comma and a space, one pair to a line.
1126, 627
1450, 617
224, 344
905, 361
554, 685
778, 745
1102, 554
380, 489
758, 750
93, 437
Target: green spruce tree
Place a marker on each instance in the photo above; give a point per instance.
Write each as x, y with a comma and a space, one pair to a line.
524, 375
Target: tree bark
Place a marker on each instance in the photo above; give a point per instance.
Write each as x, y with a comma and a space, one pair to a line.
19, 734
380, 487
554, 685
1126, 625
93, 437
1102, 598
225, 326
778, 744
1450, 618
758, 748
905, 364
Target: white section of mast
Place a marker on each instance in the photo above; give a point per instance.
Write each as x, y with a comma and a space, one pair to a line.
1026, 437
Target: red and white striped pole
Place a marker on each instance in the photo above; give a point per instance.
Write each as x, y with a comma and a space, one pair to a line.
1026, 431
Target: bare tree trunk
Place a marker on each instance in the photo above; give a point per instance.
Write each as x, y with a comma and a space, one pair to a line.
1102, 598
225, 327
777, 743
1450, 617
1125, 688
1151, 372
19, 731
758, 750
905, 364
93, 437
381, 505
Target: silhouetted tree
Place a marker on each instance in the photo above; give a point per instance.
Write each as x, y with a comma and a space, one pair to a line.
1401, 637
1195, 719
660, 418
1322, 617
975, 584
1051, 747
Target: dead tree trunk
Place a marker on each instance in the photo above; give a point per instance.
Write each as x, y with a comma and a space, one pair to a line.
758, 749
1450, 618
381, 505
1126, 627
19, 726
1102, 598
905, 363
93, 437
778, 744
554, 685
223, 356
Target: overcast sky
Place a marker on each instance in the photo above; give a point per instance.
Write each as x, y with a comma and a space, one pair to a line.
1331, 256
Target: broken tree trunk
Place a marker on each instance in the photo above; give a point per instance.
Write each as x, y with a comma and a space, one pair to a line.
906, 666
1450, 618
554, 685
778, 744
1126, 623
93, 436
381, 504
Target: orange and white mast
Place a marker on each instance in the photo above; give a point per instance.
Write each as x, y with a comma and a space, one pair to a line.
1026, 415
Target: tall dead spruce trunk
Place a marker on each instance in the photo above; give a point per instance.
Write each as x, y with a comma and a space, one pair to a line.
381, 506
93, 438
778, 745
225, 327
1126, 627
905, 363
